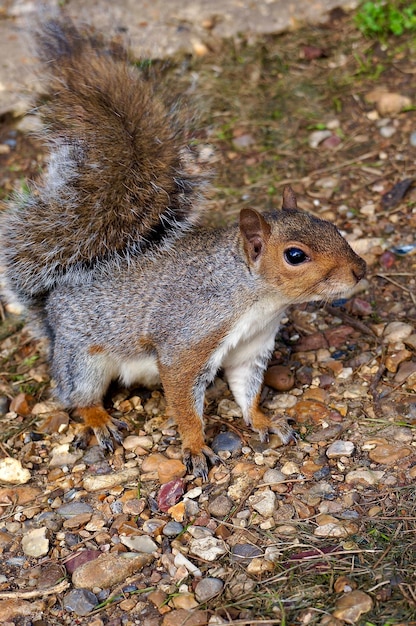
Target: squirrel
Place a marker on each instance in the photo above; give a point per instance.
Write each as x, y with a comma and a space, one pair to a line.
106, 255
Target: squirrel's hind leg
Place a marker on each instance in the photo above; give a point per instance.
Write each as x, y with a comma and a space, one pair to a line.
105, 428
83, 374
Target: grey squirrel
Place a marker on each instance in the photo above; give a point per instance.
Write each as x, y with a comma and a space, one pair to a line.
105, 255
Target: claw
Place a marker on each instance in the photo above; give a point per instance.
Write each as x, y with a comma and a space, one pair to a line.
197, 464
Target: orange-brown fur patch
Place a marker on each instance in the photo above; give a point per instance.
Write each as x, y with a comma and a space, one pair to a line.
94, 416
96, 349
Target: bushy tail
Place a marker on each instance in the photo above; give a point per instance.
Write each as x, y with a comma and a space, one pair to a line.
119, 180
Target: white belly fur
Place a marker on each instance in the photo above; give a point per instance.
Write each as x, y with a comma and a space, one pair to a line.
142, 371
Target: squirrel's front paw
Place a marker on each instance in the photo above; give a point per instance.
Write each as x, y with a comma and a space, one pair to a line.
105, 428
196, 463
276, 426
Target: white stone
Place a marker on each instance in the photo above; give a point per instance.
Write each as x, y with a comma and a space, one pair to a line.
12, 472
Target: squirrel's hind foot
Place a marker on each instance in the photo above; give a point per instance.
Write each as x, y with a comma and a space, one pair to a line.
197, 464
105, 428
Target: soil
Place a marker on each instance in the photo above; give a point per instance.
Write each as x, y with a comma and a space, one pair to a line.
260, 105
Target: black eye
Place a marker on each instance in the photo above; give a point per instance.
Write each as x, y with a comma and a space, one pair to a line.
295, 256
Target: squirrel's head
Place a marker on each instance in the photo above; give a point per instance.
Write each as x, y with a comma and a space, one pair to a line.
304, 257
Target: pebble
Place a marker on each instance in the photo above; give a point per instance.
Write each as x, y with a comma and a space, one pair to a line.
22, 404
388, 454
180, 617
290, 468
181, 561
317, 137
80, 601
208, 588
139, 543
274, 476
35, 542
387, 131
169, 494
340, 448
108, 570
244, 553
397, 331
259, 566
227, 441
264, 502
405, 371
329, 526
72, 509
108, 481
172, 529
12, 472
279, 377
13, 608
4, 405
352, 605
363, 476
229, 408
413, 139
166, 469
220, 506
80, 558
207, 548
394, 359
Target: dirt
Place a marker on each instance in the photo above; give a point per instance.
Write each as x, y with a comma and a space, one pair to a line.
259, 105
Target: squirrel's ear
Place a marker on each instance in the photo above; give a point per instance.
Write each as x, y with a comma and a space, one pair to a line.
289, 199
255, 231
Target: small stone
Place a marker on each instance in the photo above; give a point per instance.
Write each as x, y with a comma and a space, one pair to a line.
172, 529
351, 606
264, 502
317, 137
208, 588
22, 404
80, 601
184, 600
279, 377
405, 371
181, 561
397, 331
387, 131
229, 408
4, 405
340, 448
363, 476
413, 139
108, 569
329, 526
72, 509
207, 548
259, 566
139, 543
388, 454
169, 494
182, 617
12, 472
13, 608
227, 441
343, 584
290, 468
80, 558
220, 506
394, 359
108, 481
244, 553
273, 476
35, 542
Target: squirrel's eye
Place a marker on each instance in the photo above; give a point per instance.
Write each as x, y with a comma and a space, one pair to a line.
295, 256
